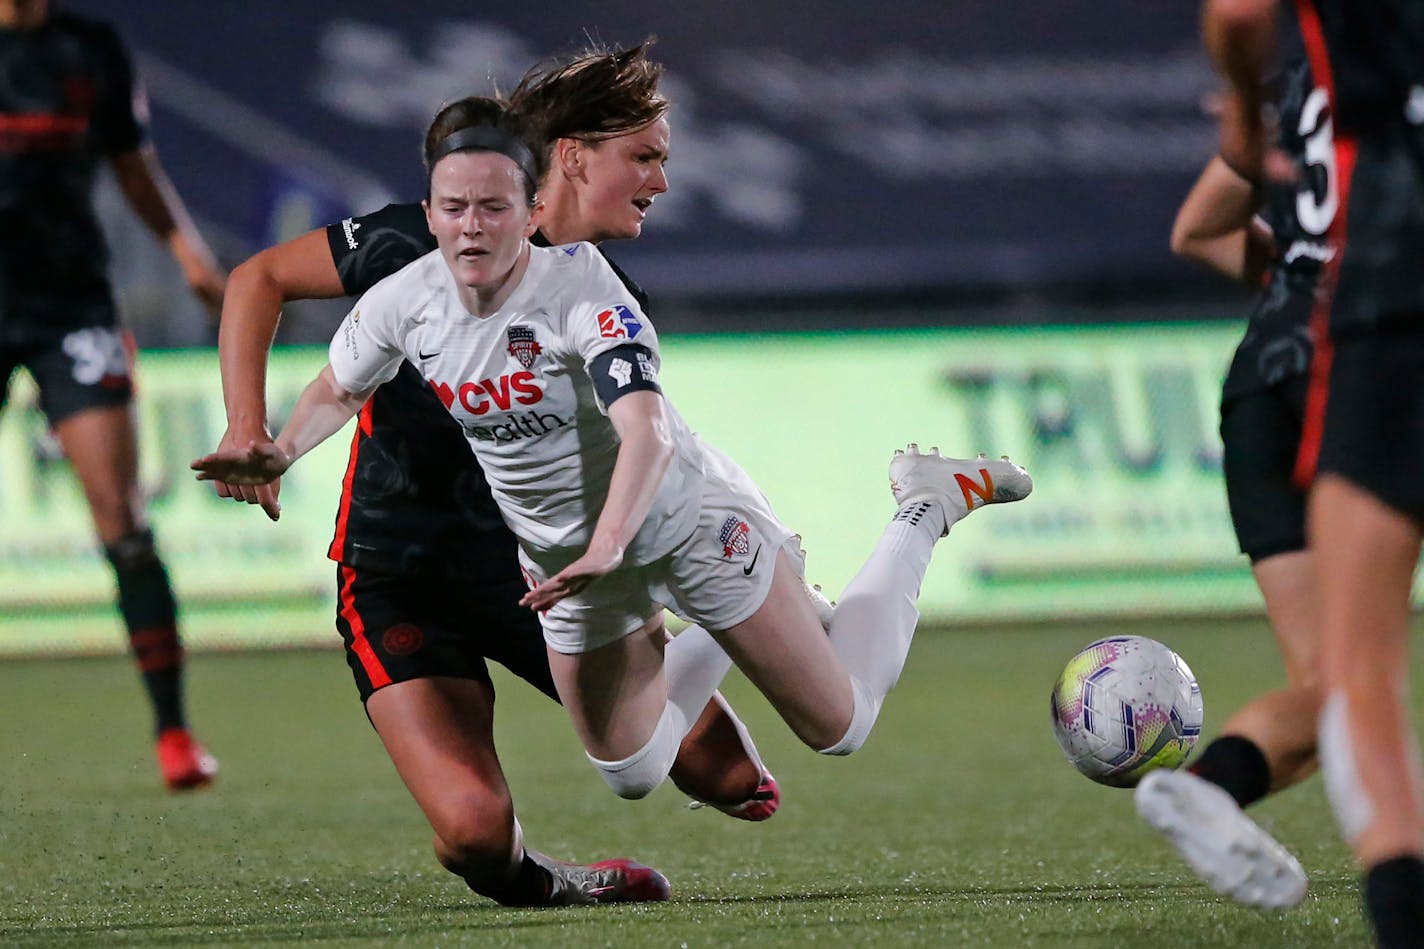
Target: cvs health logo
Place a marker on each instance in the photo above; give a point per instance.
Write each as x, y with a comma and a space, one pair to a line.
478, 398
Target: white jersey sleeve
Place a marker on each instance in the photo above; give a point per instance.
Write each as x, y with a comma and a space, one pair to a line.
366, 351
604, 316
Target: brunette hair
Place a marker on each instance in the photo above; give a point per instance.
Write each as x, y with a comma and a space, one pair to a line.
598, 94
482, 123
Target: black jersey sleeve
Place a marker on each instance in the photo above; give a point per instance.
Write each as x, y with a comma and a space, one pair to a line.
369, 248
120, 108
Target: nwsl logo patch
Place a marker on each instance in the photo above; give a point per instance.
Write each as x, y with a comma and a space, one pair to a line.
523, 346
733, 537
618, 322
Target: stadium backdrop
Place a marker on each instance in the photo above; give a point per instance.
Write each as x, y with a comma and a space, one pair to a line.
1117, 425
982, 145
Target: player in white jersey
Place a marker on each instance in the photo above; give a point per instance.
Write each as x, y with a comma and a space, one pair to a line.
551, 368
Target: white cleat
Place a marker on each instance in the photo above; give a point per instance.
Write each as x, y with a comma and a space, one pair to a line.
958, 485
1227, 849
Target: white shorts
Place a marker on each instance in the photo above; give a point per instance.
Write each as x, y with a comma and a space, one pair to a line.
717, 577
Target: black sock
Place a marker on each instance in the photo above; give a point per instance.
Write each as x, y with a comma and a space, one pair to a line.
1394, 898
1237, 766
530, 886
151, 617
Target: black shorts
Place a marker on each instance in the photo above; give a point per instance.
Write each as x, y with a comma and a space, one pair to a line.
86, 363
1371, 429
397, 628
1260, 435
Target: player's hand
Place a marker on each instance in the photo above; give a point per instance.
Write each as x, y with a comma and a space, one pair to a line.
260, 463
263, 494
574, 578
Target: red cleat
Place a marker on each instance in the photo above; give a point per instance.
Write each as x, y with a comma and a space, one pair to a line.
760, 806
607, 881
185, 763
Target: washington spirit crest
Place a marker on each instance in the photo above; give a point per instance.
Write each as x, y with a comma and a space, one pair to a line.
523, 346
733, 537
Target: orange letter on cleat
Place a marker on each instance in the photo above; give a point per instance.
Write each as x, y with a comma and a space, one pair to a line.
984, 491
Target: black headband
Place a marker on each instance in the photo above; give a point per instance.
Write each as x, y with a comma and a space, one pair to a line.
487, 138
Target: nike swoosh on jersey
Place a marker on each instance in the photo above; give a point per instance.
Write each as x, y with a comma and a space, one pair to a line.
747, 570
427, 355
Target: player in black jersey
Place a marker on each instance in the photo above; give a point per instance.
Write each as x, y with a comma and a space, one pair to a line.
429, 581
68, 101
1362, 446
1269, 744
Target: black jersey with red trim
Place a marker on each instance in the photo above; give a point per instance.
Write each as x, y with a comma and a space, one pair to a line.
1370, 56
1376, 50
67, 100
414, 499
1277, 345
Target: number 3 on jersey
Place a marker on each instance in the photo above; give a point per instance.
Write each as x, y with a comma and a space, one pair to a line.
1317, 201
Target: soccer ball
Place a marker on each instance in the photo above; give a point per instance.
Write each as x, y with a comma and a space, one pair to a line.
1125, 706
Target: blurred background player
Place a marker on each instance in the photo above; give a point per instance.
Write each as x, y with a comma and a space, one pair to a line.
67, 100
428, 578
1269, 744
1362, 447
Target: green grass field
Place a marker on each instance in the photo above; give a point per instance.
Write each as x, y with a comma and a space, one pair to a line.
959, 825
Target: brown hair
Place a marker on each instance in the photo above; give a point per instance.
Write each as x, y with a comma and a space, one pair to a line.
502, 133
598, 94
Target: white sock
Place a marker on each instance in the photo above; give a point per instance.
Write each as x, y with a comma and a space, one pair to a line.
694, 665
876, 616
639, 774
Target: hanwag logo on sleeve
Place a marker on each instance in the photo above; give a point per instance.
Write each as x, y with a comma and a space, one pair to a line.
618, 322
523, 346
733, 538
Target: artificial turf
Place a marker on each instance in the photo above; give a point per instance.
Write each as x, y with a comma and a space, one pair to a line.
958, 825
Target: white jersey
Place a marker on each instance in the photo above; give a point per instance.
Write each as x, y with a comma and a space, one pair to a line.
518, 383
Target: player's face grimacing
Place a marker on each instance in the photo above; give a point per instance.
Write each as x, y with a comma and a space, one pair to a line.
623, 175
479, 216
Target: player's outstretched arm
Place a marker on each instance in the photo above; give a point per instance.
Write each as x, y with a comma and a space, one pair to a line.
1216, 225
299, 269
323, 408
644, 451
148, 191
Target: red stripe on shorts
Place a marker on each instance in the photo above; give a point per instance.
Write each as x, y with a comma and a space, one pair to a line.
360, 645
343, 513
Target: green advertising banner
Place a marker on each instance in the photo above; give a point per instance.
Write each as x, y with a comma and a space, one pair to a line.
1116, 424
240, 579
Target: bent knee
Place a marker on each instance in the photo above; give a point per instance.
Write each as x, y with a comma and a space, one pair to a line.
476, 842
863, 714
631, 783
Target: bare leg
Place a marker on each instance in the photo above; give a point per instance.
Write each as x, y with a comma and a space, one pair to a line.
1365, 557
632, 713
713, 764
101, 444
1282, 723
439, 735
784, 651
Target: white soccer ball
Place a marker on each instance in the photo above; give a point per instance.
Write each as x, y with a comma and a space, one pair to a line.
1125, 706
